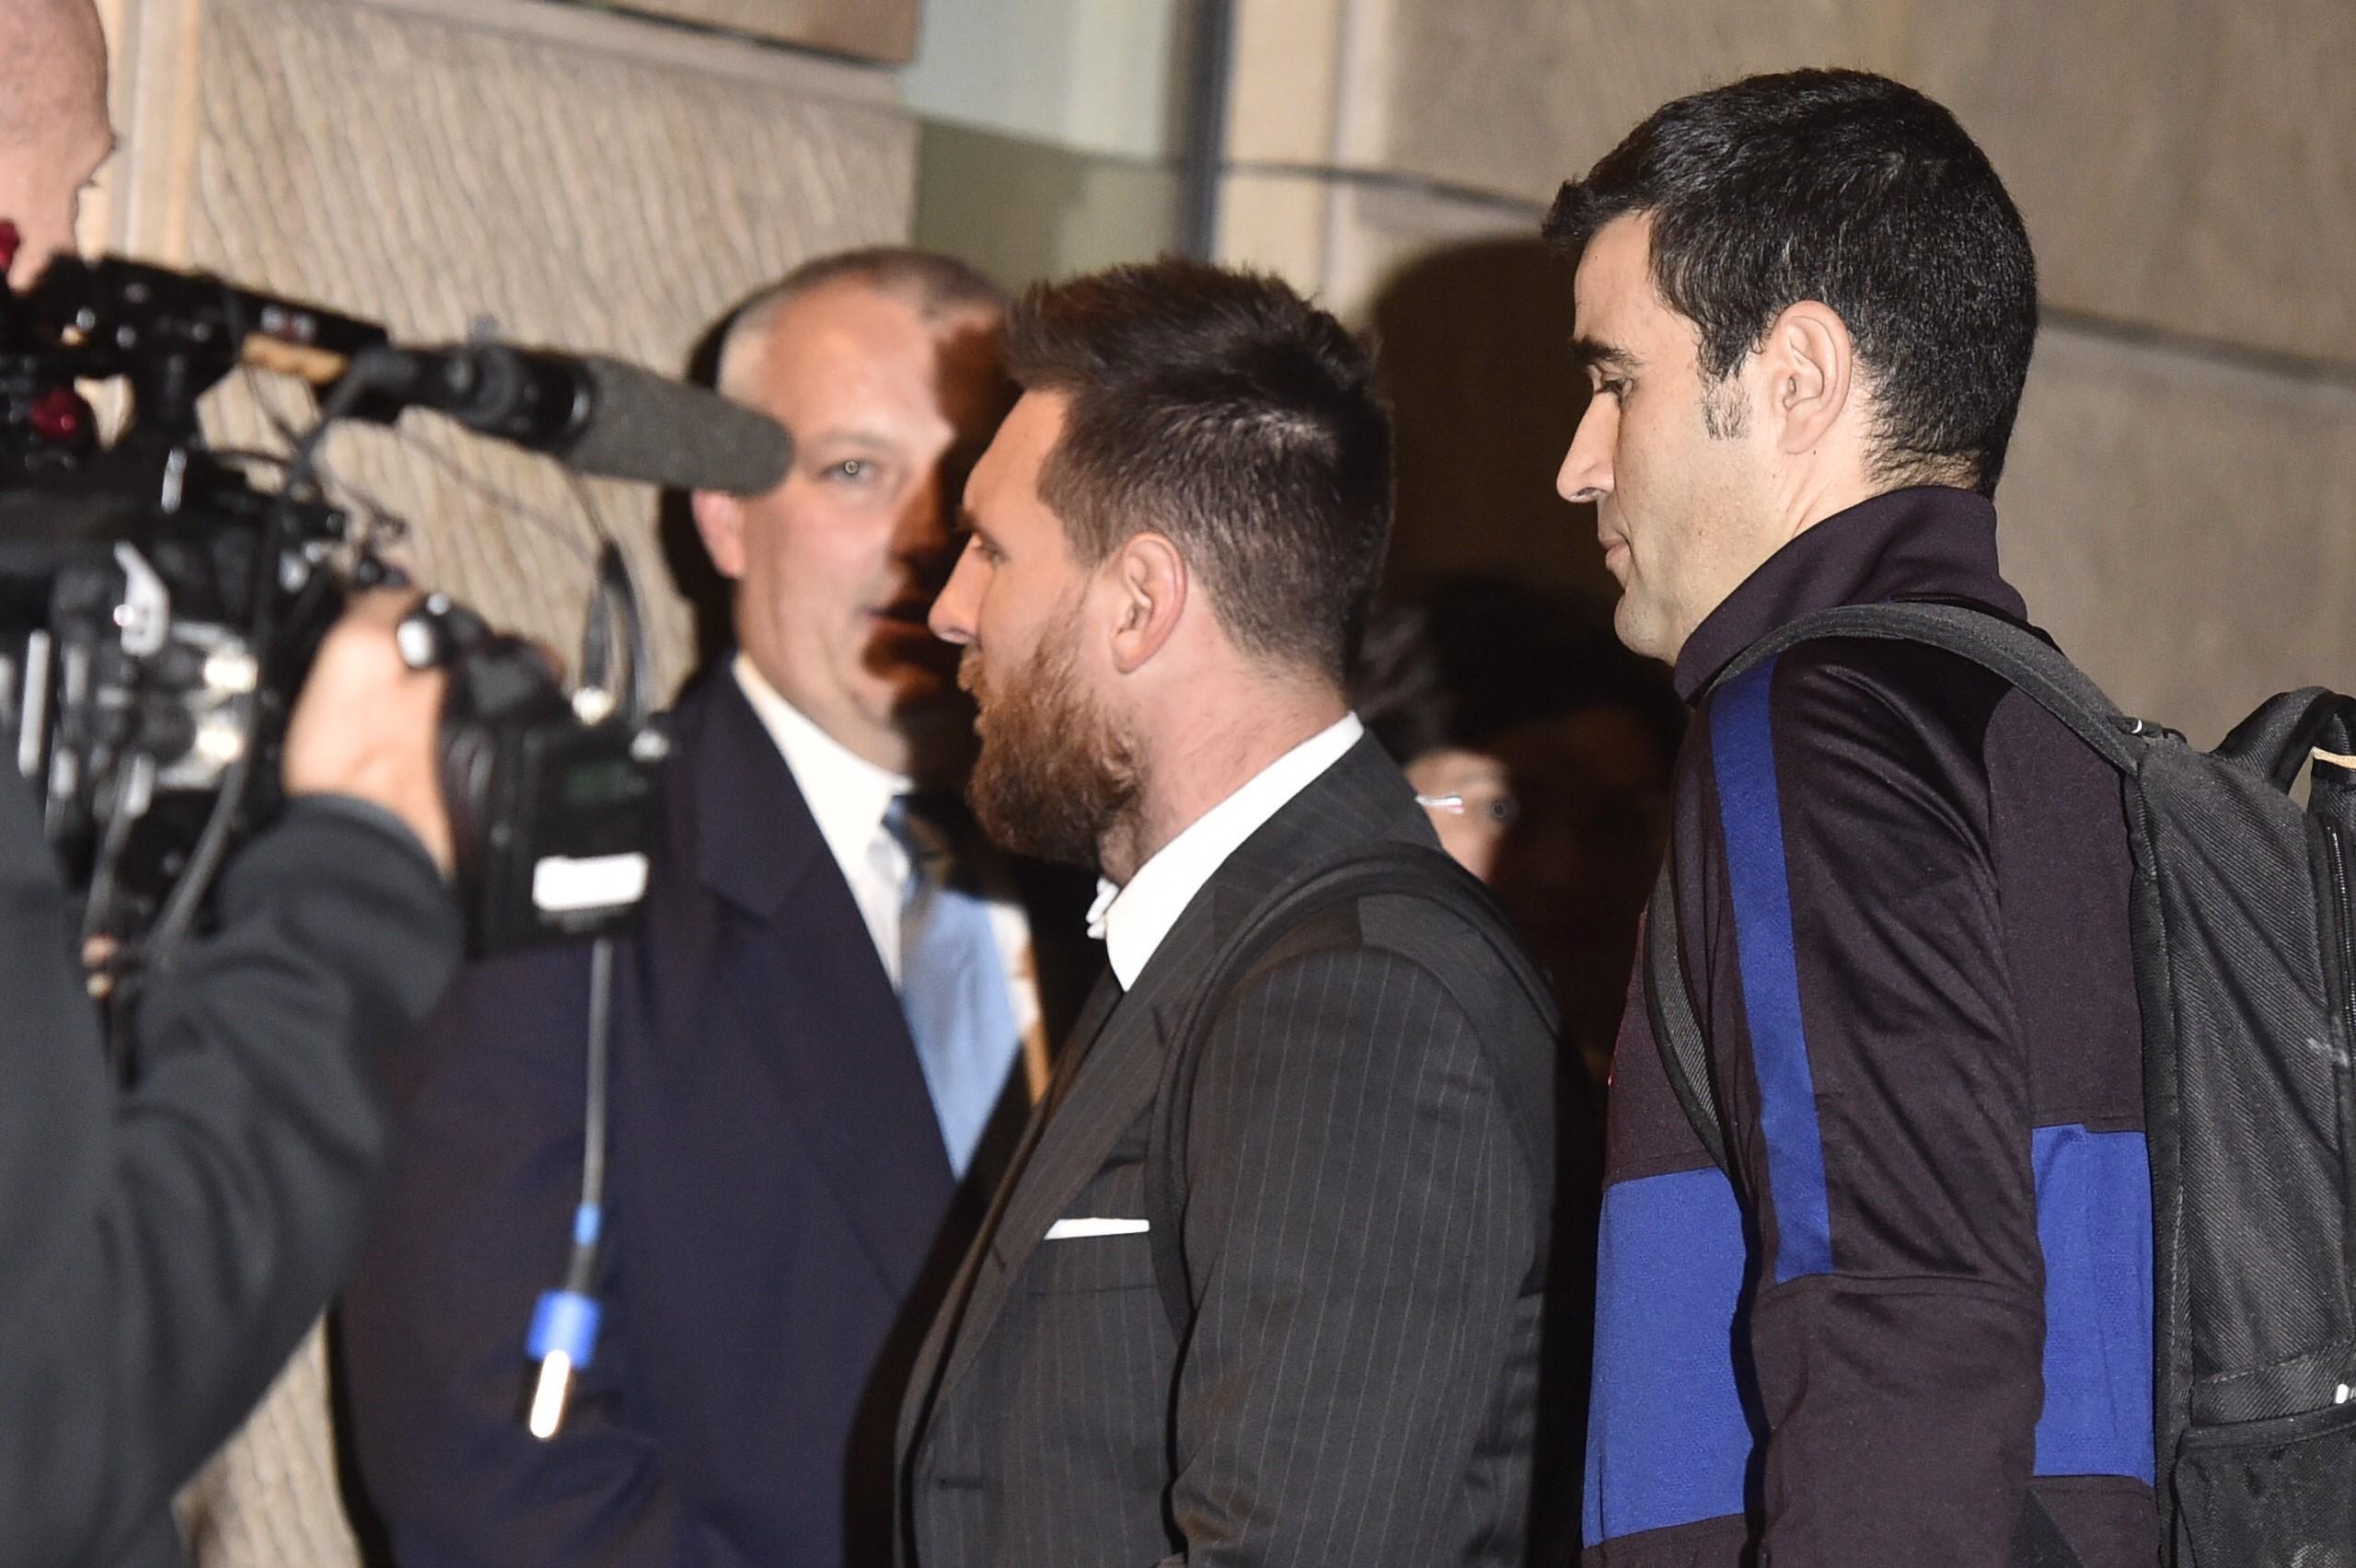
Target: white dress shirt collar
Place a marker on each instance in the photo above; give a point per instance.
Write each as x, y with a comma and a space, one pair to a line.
1134, 918
847, 794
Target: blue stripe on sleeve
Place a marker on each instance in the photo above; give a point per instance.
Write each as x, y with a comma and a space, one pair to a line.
2093, 1222
1667, 1441
1743, 756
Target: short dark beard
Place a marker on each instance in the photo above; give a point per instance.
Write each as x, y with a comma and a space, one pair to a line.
1056, 774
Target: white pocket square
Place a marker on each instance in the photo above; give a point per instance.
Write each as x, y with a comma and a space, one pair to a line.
1073, 1230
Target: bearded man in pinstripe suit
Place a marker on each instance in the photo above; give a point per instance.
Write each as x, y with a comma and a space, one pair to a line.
1173, 540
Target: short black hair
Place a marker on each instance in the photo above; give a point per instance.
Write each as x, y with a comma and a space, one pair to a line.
1220, 407
1859, 192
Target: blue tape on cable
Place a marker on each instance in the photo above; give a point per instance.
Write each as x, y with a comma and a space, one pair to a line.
565, 1320
588, 1221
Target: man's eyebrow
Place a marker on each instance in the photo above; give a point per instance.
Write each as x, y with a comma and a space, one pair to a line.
847, 436
1592, 353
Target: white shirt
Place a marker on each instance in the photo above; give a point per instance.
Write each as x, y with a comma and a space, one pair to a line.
1134, 918
848, 796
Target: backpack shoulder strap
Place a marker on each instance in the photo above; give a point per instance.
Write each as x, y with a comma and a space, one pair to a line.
1677, 1032
1284, 926
2015, 654
2024, 659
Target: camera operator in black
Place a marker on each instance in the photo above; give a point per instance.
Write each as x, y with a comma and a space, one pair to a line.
166, 1247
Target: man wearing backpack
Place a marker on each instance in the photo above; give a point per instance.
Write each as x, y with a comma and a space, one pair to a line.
1267, 1285
1911, 1323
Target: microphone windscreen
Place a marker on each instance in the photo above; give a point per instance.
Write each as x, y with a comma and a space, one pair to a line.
647, 427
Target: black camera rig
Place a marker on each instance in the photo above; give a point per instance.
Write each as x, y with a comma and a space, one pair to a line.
159, 609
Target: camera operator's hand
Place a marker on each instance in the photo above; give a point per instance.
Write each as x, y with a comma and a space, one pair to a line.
366, 725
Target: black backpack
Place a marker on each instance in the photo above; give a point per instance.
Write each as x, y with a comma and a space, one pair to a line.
2245, 948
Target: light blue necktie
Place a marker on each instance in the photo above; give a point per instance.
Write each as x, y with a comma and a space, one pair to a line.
952, 984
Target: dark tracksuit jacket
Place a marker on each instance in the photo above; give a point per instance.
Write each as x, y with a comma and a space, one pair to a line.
1902, 895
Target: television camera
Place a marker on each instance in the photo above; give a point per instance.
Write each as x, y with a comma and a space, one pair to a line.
161, 601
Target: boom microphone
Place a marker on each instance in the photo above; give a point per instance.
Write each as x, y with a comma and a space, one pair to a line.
595, 416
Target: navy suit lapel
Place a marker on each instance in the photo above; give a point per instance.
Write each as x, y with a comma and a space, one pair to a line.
793, 972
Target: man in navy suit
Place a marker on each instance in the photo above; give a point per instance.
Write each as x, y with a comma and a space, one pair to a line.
827, 1031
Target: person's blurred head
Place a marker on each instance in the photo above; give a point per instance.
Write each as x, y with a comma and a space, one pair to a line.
1403, 694
1557, 744
882, 364
1793, 294
53, 129
1576, 866
1469, 792
1175, 536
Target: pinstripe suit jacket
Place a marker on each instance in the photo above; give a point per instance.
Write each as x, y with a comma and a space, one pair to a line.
1362, 1228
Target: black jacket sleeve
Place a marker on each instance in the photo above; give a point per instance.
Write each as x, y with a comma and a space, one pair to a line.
434, 1321
167, 1247
1880, 1113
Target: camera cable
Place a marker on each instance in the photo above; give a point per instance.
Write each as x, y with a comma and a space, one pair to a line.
563, 1338
565, 1323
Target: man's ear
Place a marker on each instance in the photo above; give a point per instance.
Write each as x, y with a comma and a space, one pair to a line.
1811, 361
1150, 586
720, 518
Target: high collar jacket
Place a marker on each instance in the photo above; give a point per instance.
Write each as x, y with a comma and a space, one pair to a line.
1901, 890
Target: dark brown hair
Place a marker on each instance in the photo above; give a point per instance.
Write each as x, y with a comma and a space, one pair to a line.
1218, 407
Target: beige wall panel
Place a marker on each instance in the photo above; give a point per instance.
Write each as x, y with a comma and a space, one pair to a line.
2182, 527
871, 29
1375, 229
1022, 210
2181, 164
1278, 223
1280, 91
269, 1499
601, 189
1341, 238
1514, 96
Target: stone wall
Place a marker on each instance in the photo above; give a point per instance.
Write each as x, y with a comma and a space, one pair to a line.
2183, 480
590, 180
864, 29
